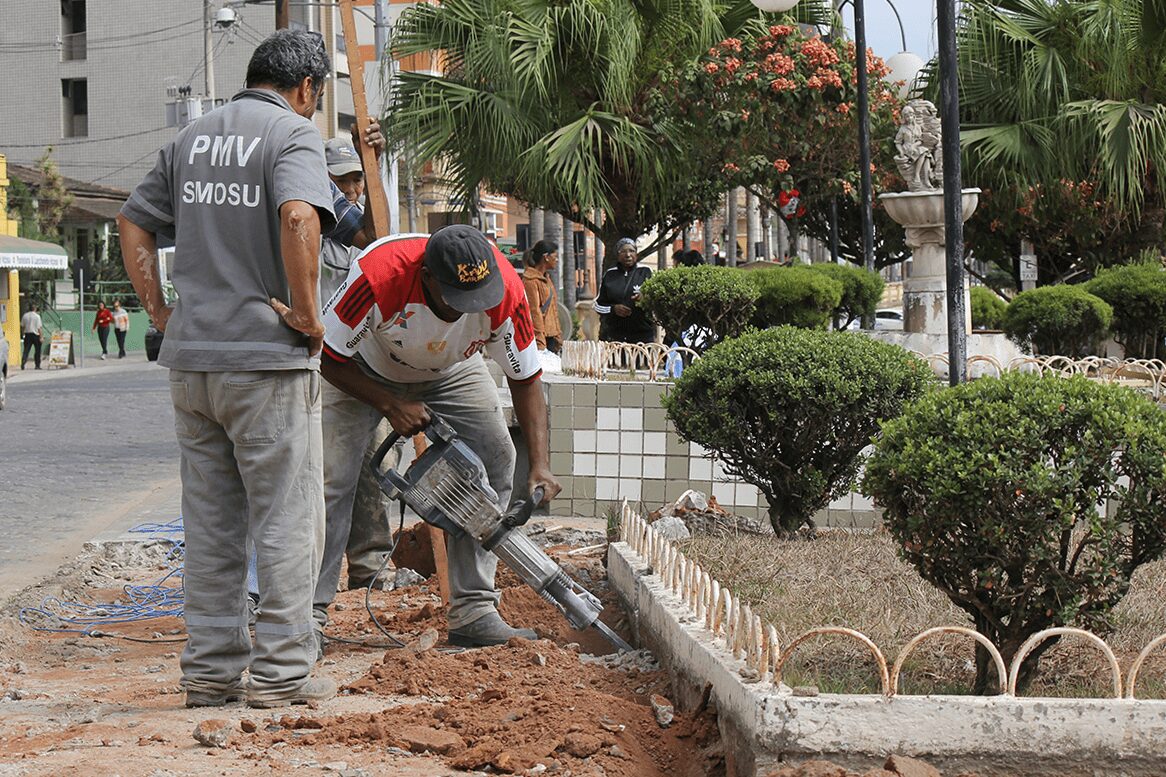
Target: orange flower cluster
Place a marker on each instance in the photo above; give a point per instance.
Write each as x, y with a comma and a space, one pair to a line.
781, 165
780, 30
819, 53
732, 65
783, 85
779, 64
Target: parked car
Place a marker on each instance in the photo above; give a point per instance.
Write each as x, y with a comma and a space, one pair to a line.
885, 319
3, 372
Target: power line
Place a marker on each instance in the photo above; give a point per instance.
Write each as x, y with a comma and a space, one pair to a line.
86, 141
94, 44
123, 167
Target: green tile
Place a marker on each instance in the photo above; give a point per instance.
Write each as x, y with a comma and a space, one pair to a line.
584, 508
607, 395
584, 417
562, 440
631, 395
675, 445
559, 417
653, 392
585, 394
561, 507
655, 419
584, 487
653, 493
676, 468
568, 484
561, 461
561, 394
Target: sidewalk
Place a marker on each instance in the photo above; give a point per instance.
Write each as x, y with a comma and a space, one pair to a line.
135, 361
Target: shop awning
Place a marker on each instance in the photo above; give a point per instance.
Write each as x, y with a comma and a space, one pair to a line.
22, 254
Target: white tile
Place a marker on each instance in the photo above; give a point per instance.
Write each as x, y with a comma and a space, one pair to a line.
584, 464
746, 495
607, 465
630, 488
607, 418
861, 502
585, 441
841, 503
631, 442
631, 418
630, 465
654, 467
700, 469
724, 493
655, 443
719, 470
696, 449
607, 488
607, 442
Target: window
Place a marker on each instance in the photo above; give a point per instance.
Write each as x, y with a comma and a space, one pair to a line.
73, 30
75, 104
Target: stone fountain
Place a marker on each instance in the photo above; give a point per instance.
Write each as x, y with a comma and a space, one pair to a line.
920, 211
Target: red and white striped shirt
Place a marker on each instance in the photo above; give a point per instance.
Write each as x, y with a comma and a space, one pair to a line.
380, 313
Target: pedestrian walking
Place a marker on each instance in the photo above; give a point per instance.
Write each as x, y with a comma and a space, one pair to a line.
244, 193
101, 323
31, 329
121, 327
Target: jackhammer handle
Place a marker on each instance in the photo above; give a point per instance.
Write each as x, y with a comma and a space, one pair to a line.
521, 511
379, 456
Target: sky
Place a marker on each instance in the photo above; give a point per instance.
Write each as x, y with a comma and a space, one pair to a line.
882, 30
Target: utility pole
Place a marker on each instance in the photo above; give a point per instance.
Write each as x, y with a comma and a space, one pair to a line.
282, 22
388, 171
208, 52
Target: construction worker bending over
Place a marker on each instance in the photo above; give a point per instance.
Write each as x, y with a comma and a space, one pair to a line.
402, 339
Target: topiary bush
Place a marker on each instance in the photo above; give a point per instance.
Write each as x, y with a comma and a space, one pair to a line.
1058, 320
717, 300
861, 291
794, 296
987, 308
992, 488
1137, 294
790, 410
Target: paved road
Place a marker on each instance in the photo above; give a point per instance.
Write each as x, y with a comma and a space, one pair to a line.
82, 453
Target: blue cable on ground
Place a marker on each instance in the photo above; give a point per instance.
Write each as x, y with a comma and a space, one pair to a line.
162, 599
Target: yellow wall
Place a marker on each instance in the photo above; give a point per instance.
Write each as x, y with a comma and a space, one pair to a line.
11, 300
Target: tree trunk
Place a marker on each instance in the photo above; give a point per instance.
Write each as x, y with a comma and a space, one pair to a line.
567, 260
553, 231
731, 225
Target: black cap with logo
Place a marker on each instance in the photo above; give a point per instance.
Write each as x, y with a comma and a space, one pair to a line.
462, 261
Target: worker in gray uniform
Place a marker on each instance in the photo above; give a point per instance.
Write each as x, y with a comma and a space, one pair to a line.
244, 193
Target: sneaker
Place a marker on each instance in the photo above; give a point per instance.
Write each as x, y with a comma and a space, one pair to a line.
488, 630
102, 357
312, 690
211, 695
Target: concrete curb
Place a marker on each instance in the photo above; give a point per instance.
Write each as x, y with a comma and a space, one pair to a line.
763, 725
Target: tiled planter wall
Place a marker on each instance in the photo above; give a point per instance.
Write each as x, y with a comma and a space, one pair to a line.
613, 440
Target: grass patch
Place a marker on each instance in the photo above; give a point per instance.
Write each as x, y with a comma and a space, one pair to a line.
857, 580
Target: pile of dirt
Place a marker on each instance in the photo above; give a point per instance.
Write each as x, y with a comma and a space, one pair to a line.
517, 706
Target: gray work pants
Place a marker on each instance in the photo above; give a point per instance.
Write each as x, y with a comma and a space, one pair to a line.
370, 537
252, 467
468, 400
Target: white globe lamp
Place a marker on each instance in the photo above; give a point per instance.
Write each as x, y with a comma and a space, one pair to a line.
905, 67
775, 6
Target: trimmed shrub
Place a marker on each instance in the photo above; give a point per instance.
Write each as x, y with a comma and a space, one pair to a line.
1058, 320
861, 291
992, 488
794, 296
790, 410
987, 308
1137, 294
717, 300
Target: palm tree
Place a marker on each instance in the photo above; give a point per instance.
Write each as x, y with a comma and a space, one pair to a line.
556, 104
1064, 90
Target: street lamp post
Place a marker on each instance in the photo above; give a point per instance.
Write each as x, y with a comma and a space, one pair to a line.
949, 114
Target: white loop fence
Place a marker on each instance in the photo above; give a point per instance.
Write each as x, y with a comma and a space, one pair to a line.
752, 641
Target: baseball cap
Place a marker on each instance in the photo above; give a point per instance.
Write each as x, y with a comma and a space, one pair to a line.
341, 157
462, 261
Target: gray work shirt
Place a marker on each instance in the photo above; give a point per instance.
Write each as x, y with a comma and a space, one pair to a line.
217, 189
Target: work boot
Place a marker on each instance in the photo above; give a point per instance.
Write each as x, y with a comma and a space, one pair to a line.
200, 694
312, 689
488, 630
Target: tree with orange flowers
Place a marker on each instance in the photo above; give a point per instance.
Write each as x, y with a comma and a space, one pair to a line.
776, 108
